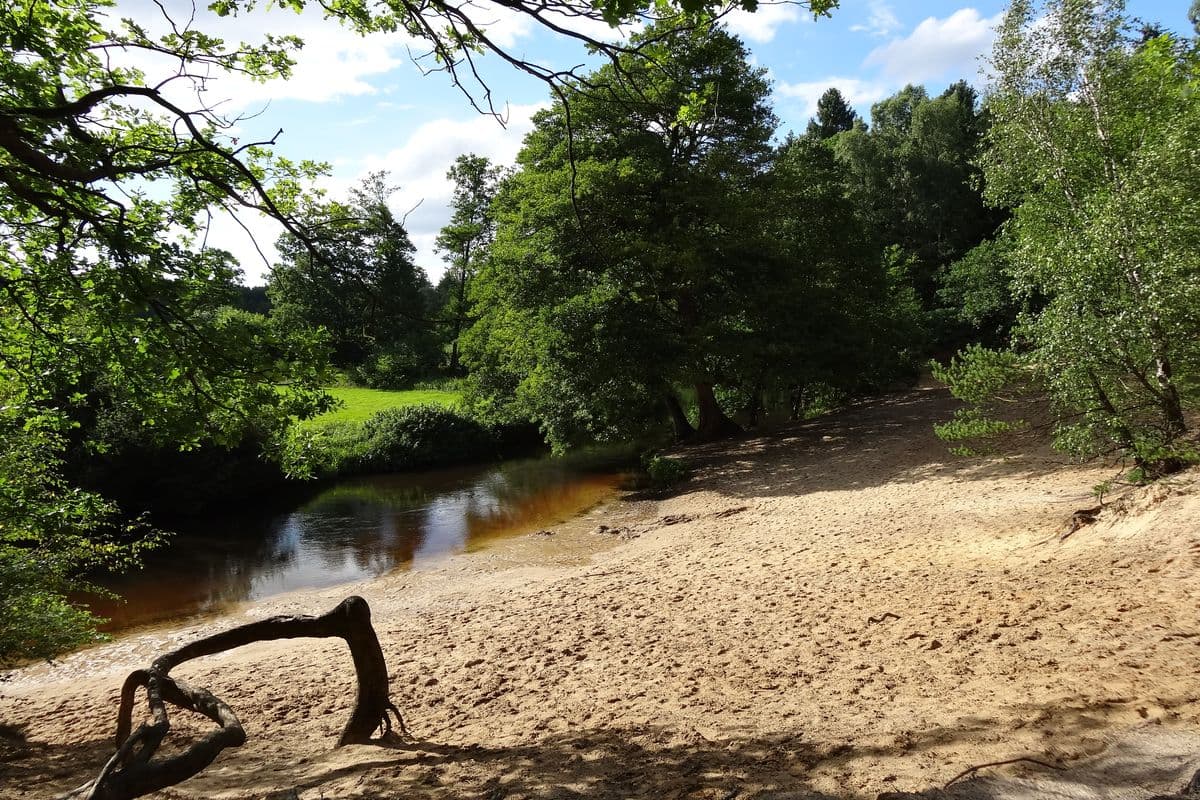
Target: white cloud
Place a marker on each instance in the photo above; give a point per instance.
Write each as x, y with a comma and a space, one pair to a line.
419, 167
937, 48
252, 242
762, 24
857, 92
881, 20
334, 61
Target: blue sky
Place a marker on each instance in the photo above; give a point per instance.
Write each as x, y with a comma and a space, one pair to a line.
360, 104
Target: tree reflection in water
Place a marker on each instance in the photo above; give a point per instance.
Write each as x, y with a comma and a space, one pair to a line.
357, 529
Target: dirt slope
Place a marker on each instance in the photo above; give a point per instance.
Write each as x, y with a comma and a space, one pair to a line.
837, 611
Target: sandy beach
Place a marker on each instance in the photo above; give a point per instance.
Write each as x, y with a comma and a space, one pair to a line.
840, 609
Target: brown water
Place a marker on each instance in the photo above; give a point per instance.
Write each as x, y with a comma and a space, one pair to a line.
357, 529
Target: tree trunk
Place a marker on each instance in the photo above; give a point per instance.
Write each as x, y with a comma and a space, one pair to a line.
755, 405
797, 402
713, 422
133, 772
679, 421
1172, 408
460, 312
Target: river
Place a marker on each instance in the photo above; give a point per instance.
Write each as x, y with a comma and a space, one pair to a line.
356, 529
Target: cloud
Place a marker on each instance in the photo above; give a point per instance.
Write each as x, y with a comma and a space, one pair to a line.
419, 167
857, 92
334, 61
761, 25
937, 48
881, 20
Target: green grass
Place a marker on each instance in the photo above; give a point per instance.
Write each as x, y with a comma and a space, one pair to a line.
357, 405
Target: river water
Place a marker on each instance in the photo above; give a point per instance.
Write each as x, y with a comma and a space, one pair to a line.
353, 530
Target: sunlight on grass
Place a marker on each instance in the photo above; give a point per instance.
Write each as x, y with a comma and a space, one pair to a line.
359, 404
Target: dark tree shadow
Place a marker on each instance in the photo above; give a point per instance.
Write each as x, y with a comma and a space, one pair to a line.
648, 762
875, 442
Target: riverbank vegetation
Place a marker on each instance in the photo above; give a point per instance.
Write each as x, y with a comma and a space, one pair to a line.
662, 261
357, 404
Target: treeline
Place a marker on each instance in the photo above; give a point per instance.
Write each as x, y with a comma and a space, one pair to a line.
657, 256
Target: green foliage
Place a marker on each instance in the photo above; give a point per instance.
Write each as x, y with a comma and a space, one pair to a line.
1092, 144
978, 288
52, 535
914, 181
392, 366
423, 436
466, 240
987, 381
834, 116
392, 440
664, 472
664, 244
360, 285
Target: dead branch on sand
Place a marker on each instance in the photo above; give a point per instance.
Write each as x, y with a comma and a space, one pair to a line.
132, 771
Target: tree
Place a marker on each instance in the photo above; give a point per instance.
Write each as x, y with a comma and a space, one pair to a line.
467, 238
824, 316
676, 257
359, 284
914, 177
834, 116
621, 253
1089, 147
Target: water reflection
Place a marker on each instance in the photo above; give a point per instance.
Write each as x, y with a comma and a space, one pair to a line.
357, 529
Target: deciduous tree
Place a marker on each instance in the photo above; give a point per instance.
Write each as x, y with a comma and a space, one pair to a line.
1092, 145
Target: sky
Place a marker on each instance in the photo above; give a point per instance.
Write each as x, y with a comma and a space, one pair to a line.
361, 104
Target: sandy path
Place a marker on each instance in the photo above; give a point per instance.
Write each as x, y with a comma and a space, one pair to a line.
837, 611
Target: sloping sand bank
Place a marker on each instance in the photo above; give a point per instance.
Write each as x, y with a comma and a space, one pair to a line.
836, 611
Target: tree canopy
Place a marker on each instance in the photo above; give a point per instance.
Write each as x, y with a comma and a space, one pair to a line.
1091, 133
359, 284
650, 245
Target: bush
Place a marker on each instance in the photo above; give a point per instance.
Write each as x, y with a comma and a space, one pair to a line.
664, 472
424, 436
392, 440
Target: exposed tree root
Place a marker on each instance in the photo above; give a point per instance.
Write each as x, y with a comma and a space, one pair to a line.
133, 771
1082, 517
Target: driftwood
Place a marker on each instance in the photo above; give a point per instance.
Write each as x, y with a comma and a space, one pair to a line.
133, 771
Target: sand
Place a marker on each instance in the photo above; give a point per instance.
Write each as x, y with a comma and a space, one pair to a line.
842, 609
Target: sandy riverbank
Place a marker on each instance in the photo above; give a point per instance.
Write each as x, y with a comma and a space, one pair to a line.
836, 611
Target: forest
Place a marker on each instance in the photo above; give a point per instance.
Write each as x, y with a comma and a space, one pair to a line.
663, 266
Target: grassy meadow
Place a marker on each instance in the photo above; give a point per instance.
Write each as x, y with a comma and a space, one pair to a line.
356, 405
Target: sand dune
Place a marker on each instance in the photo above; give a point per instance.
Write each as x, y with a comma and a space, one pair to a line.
840, 610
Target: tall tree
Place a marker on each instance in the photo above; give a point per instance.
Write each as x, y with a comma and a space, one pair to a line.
467, 239
1089, 145
834, 115
621, 250
360, 284
914, 176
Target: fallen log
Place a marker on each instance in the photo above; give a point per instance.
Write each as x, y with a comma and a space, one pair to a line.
133, 771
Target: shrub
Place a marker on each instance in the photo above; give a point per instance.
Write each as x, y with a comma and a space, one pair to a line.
424, 436
395, 439
664, 472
